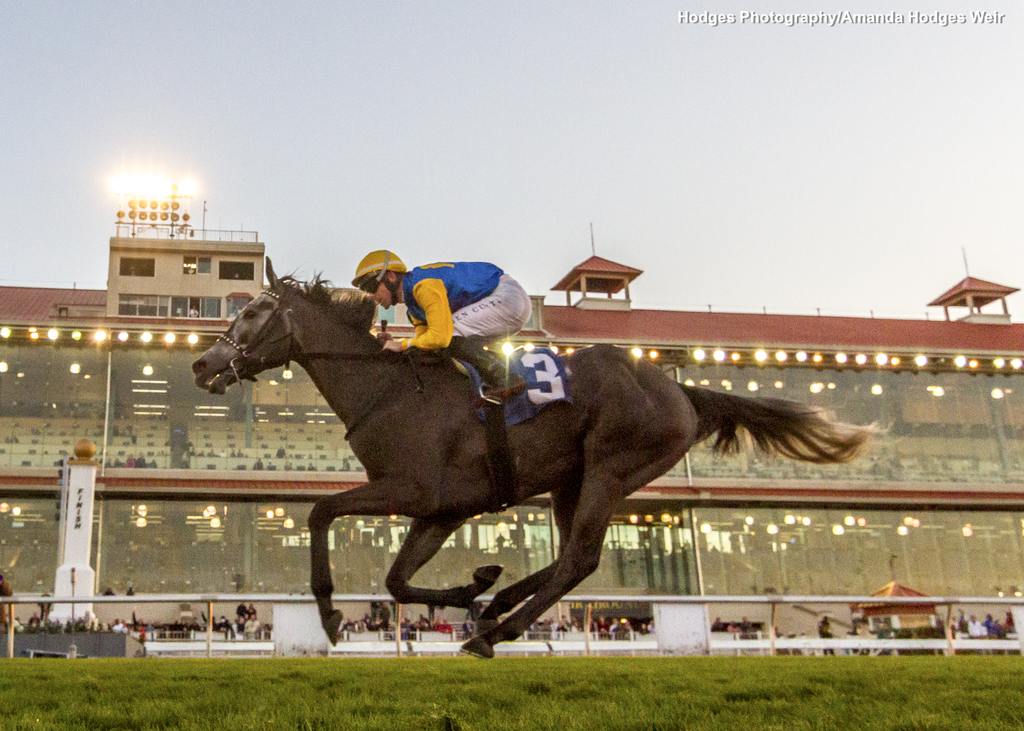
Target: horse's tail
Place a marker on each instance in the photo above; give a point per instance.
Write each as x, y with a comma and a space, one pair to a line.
777, 426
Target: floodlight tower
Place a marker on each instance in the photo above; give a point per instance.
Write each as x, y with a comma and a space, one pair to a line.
151, 205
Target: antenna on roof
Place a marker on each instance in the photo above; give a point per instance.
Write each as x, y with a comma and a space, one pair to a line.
963, 250
593, 249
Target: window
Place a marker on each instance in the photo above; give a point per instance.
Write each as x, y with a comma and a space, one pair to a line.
195, 307
196, 265
237, 270
235, 304
131, 267
143, 305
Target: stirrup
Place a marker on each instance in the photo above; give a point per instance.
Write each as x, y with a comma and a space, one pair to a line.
498, 396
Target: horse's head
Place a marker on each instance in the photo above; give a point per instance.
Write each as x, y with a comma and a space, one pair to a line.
262, 336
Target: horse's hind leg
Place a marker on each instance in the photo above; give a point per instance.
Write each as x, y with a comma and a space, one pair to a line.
423, 541
564, 504
579, 559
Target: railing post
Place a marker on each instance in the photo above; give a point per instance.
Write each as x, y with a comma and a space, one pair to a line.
588, 612
398, 629
771, 630
209, 629
10, 630
950, 645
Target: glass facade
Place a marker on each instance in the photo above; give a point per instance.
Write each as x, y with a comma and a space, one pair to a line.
138, 403
856, 551
934, 427
160, 545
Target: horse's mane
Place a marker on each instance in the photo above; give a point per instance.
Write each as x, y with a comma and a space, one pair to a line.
348, 306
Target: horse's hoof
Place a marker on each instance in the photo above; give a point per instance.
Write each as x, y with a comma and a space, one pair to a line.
478, 647
485, 576
333, 627
485, 625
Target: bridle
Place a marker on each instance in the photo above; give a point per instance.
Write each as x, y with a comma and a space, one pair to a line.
244, 356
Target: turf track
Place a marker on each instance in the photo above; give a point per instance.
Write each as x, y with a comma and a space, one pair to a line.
553, 693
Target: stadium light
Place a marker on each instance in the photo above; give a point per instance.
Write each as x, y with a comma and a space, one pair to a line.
146, 337
801, 356
122, 336
881, 359
193, 338
169, 338
838, 530
653, 354
998, 393
960, 361
638, 353
818, 358
75, 368
698, 355
5, 332
76, 335
718, 355
33, 333
999, 362
3, 366
921, 361
861, 359
507, 348
53, 333
876, 389
781, 356
735, 357
841, 358
760, 356
1017, 363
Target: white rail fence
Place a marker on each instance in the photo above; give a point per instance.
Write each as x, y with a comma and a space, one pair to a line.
682, 626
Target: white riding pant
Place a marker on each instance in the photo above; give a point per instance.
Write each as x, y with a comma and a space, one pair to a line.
501, 313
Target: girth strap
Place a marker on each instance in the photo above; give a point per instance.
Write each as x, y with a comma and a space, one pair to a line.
499, 458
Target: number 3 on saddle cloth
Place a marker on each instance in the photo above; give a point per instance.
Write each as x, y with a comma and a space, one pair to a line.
546, 378
547, 382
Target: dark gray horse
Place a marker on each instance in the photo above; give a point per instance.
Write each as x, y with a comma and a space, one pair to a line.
414, 429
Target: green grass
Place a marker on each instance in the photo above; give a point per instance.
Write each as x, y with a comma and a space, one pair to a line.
514, 693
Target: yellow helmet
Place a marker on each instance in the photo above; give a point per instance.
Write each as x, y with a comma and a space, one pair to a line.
375, 264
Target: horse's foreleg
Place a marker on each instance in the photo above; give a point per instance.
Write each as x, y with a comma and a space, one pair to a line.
379, 497
423, 541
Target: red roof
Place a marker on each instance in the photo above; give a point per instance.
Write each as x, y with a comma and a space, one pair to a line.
664, 327
596, 265
41, 303
981, 291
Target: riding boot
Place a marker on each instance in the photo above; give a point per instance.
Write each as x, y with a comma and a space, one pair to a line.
498, 384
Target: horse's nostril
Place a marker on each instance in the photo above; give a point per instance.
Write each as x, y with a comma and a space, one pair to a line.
198, 366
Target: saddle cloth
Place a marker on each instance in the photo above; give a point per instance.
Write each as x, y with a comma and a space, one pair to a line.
547, 382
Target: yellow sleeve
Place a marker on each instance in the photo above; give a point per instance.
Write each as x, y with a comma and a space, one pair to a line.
432, 297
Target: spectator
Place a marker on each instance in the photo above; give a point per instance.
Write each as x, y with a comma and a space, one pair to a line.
1008, 623
825, 632
5, 609
119, 626
252, 627
975, 629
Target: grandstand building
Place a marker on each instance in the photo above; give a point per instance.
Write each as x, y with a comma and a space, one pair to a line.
200, 493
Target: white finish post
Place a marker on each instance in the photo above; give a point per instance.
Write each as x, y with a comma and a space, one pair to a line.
682, 629
75, 574
297, 630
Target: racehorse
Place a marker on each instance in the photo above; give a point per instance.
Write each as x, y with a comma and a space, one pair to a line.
416, 431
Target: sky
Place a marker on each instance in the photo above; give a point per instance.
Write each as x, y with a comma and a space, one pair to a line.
742, 166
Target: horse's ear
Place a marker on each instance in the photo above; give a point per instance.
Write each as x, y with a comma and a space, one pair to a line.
271, 277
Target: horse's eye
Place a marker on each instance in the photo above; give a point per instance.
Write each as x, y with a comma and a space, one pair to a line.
249, 314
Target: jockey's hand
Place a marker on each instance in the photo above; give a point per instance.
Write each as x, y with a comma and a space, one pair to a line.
395, 346
383, 336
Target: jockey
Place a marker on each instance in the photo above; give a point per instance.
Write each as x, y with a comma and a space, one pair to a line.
455, 305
